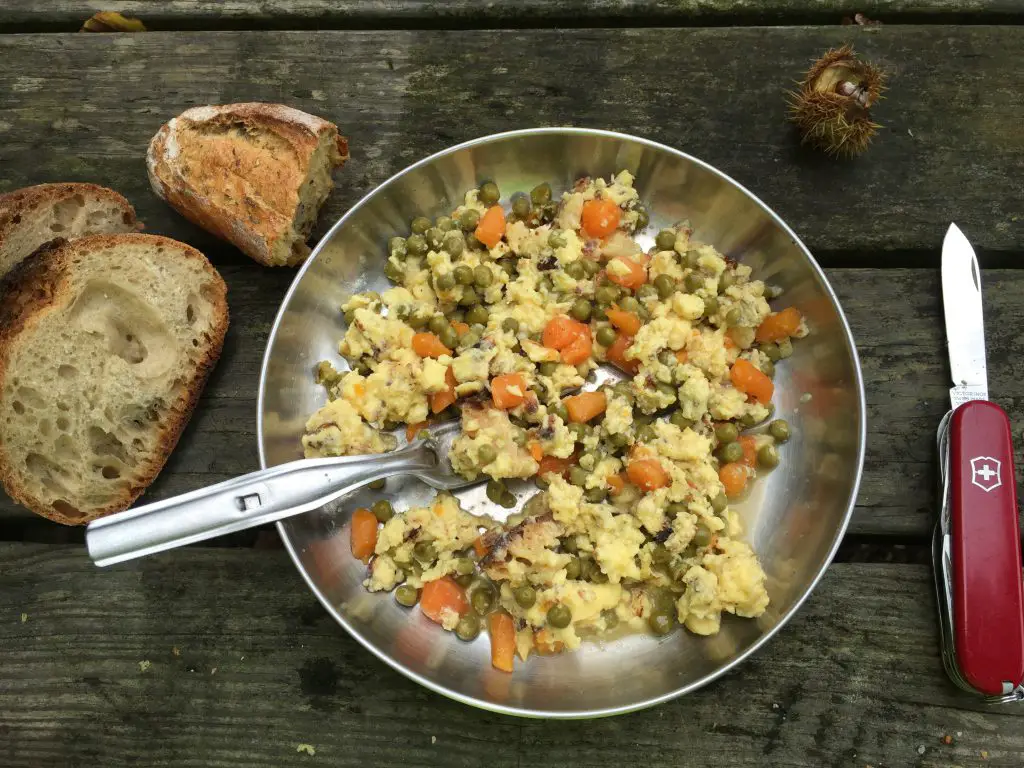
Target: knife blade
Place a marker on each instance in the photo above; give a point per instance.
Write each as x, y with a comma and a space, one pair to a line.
988, 589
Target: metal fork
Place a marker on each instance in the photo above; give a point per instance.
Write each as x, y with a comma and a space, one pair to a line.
265, 496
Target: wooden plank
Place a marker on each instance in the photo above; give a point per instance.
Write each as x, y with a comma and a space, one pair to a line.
855, 680
895, 315
68, 15
951, 146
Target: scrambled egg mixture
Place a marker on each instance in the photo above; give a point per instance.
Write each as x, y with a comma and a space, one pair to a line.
498, 316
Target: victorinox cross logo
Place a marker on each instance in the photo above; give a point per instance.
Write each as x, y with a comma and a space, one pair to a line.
985, 473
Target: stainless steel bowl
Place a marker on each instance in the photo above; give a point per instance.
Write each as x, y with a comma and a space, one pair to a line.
795, 516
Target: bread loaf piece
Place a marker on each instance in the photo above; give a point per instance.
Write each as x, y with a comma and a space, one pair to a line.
253, 174
105, 344
33, 216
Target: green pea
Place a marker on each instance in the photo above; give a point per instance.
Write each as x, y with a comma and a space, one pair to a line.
727, 432
548, 368
710, 306
489, 193
469, 296
779, 429
525, 596
618, 440
463, 275
482, 598
665, 240
703, 536
629, 304
694, 282
665, 286
582, 431
434, 238
407, 596
578, 476
691, 259
646, 433
482, 276
477, 315
449, 337
487, 454
572, 568
445, 282
444, 223
726, 280
513, 520
393, 272
468, 628
560, 411
419, 319
556, 239
575, 270
541, 194
768, 368
785, 348
590, 267
773, 291
581, 309
495, 490
596, 495
660, 554
396, 246
719, 503
541, 483
469, 220
733, 316
454, 243
730, 453
521, 207
606, 295
559, 616
416, 245
680, 420
768, 456
676, 508
464, 580
606, 336
643, 218
646, 292
376, 485
770, 350
382, 510
425, 552
660, 622
510, 324
420, 225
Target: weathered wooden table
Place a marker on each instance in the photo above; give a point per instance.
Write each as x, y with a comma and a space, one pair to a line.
219, 655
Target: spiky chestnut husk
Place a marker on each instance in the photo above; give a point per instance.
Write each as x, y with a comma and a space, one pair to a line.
832, 105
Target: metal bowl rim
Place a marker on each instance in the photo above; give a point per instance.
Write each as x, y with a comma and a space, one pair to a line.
646, 703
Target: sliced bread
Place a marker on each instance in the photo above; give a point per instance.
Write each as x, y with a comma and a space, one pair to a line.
105, 344
253, 174
33, 216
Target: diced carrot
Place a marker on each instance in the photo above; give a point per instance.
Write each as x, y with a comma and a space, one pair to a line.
600, 217
728, 341
746, 378
616, 484
491, 227
616, 355
479, 547
460, 328
441, 400
627, 322
734, 478
585, 406
441, 597
503, 640
555, 464
647, 474
414, 429
363, 534
545, 644
682, 355
428, 345
749, 445
631, 279
580, 350
779, 325
508, 390
536, 450
561, 331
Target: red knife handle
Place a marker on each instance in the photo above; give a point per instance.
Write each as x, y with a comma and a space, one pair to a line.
988, 590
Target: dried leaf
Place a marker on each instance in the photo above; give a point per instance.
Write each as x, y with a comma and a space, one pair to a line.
111, 21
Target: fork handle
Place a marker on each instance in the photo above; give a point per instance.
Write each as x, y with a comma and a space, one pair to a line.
243, 502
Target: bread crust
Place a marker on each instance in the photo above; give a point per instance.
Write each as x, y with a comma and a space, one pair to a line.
43, 283
228, 196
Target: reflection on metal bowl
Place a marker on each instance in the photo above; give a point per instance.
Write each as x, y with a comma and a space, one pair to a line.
795, 516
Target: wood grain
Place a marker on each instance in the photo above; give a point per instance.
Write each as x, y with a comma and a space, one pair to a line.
895, 315
68, 15
951, 146
854, 680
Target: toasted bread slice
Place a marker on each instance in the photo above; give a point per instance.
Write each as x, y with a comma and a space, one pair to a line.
34, 216
252, 174
105, 344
